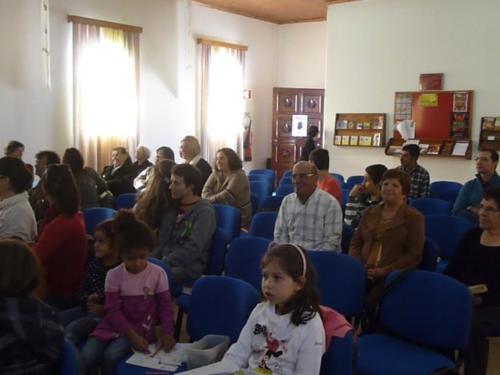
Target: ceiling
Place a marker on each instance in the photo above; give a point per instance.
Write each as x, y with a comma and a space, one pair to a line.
276, 11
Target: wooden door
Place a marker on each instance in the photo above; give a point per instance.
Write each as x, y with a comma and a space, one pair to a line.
287, 102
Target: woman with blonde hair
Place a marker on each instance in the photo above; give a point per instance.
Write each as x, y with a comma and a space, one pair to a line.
156, 198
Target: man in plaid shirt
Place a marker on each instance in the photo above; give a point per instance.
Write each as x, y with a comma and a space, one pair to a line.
420, 180
310, 217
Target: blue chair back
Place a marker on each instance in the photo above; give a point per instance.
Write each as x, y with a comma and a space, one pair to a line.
285, 189
228, 220
262, 225
217, 253
428, 308
341, 281
220, 305
126, 200
339, 178
271, 203
345, 196
431, 206
340, 358
449, 196
255, 203
437, 188
261, 189
347, 233
287, 173
68, 364
268, 172
446, 232
262, 177
353, 180
96, 215
286, 180
175, 290
429, 256
243, 259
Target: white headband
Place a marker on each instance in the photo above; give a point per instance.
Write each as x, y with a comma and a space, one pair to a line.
304, 265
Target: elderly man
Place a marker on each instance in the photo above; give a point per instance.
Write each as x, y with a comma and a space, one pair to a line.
141, 163
162, 153
310, 217
469, 197
190, 151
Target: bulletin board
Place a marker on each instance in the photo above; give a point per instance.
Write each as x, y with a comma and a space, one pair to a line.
438, 115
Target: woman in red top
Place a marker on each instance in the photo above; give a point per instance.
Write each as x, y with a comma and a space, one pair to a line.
62, 243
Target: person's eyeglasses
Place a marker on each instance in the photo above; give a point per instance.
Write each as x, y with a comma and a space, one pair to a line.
302, 175
488, 210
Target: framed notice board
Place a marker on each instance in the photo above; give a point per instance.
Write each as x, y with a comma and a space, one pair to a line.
438, 115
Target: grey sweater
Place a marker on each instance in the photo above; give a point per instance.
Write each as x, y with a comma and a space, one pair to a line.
184, 241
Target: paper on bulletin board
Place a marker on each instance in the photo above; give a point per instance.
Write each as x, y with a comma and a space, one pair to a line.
428, 100
299, 126
406, 128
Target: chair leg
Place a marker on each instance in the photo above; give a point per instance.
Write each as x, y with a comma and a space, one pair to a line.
178, 324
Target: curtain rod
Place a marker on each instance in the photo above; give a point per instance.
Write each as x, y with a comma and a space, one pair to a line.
112, 25
222, 44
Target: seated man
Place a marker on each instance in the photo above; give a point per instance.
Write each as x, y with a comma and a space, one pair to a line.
321, 159
309, 217
37, 199
469, 197
162, 153
190, 151
420, 180
141, 162
186, 233
118, 175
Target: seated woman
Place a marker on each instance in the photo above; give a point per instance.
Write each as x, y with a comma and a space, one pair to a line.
477, 261
228, 184
364, 195
62, 244
89, 183
390, 236
17, 219
156, 198
119, 175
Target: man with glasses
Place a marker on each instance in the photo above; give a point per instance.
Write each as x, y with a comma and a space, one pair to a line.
469, 197
310, 217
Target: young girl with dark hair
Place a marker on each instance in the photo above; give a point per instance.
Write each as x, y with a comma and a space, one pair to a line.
82, 320
32, 339
138, 309
284, 334
62, 242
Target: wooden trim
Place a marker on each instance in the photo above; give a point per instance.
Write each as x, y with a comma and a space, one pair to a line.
221, 44
112, 25
339, 1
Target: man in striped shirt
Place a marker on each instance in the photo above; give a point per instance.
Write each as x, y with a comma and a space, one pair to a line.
420, 181
310, 217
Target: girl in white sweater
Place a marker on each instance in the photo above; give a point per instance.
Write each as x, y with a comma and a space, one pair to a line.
284, 335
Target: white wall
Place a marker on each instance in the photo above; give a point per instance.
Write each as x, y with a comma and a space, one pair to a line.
302, 55
377, 47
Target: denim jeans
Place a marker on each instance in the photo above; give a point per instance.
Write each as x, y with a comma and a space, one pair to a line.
105, 354
69, 315
80, 329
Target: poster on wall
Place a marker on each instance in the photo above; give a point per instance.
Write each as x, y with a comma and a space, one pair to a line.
460, 100
299, 126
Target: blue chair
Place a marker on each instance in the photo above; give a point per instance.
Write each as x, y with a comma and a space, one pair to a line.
262, 225
339, 178
447, 232
68, 364
347, 233
175, 290
429, 256
96, 215
262, 177
345, 196
261, 189
285, 189
354, 180
440, 188
255, 203
449, 196
268, 172
243, 259
286, 180
341, 281
228, 220
271, 203
426, 310
287, 173
126, 200
341, 356
220, 305
217, 253
431, 206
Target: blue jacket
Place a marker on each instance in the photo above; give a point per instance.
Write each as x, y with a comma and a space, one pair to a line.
471, 195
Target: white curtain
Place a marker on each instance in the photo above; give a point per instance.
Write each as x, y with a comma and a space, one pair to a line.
222, 104
106, 88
